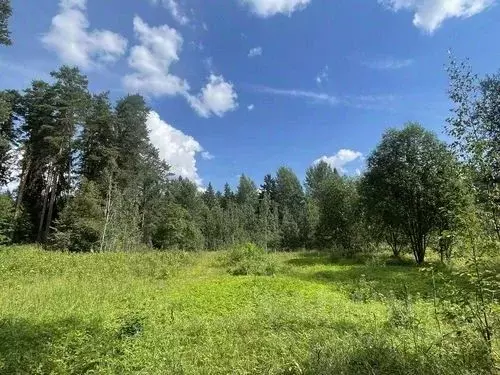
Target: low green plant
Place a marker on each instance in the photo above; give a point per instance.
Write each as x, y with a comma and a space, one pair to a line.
249, 259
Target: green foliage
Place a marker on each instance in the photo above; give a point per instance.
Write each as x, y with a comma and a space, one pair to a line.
475, 128
5, 13
176, 230
340, 225
6, 219
249, 259
79, 228
413, 186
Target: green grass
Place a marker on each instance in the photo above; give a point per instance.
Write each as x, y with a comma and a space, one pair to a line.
178, 313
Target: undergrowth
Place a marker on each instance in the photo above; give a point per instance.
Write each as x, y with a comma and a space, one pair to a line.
176, 313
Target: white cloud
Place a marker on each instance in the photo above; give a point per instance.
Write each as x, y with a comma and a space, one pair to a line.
268, 8
371, 102
207, 155
69, 36
159, 48
251, 107
387, 63
176, 148
340, 159
320, 97
257, 51
175, 10
430, 14
322, 76
217, 97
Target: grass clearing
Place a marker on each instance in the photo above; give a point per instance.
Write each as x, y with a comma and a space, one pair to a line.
179, 313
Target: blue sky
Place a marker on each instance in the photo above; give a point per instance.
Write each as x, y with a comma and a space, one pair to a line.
245, 86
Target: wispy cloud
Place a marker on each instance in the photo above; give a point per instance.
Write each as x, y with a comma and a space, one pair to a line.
387, 63
316, 96
355, 101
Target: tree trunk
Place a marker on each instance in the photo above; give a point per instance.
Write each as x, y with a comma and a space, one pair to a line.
53, 194
107, 214
44, 209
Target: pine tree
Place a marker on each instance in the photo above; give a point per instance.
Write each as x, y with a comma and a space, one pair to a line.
70, 98
227, 197
10, 113
98, 140
291, 201
5, 13
209, 196
39, 120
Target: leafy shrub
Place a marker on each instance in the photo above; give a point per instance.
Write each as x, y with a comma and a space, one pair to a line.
364, 291
249, 259
6, 218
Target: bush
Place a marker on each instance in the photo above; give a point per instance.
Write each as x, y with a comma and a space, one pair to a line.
6, 218
249, 259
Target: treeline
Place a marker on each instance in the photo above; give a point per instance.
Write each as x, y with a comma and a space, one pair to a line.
90, 180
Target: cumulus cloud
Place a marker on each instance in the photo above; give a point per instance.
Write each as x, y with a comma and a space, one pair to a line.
430, 14
257, 51
69, 36
175, 11
152, 59
387, 63
268, 8
217, 97
159, 48
251, 107
340, 159
176, 148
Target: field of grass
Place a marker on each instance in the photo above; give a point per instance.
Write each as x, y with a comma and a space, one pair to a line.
177, 313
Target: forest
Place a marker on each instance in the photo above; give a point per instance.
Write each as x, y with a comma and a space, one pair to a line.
111, 263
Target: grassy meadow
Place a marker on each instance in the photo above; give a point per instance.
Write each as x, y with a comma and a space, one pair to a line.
184, 313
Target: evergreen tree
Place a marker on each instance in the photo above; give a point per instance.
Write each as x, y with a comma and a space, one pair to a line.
98, 140
291, 201
5, 13
209, 197
268, 187
10, 114
227, 197
35, 182
131, 138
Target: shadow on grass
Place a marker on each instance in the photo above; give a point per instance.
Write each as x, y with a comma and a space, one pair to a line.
310, 259
68, 346
386, 276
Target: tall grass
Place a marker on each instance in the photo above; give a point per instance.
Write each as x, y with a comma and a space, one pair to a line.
177, 313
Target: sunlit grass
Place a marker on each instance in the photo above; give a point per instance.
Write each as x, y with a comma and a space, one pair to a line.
178, 313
